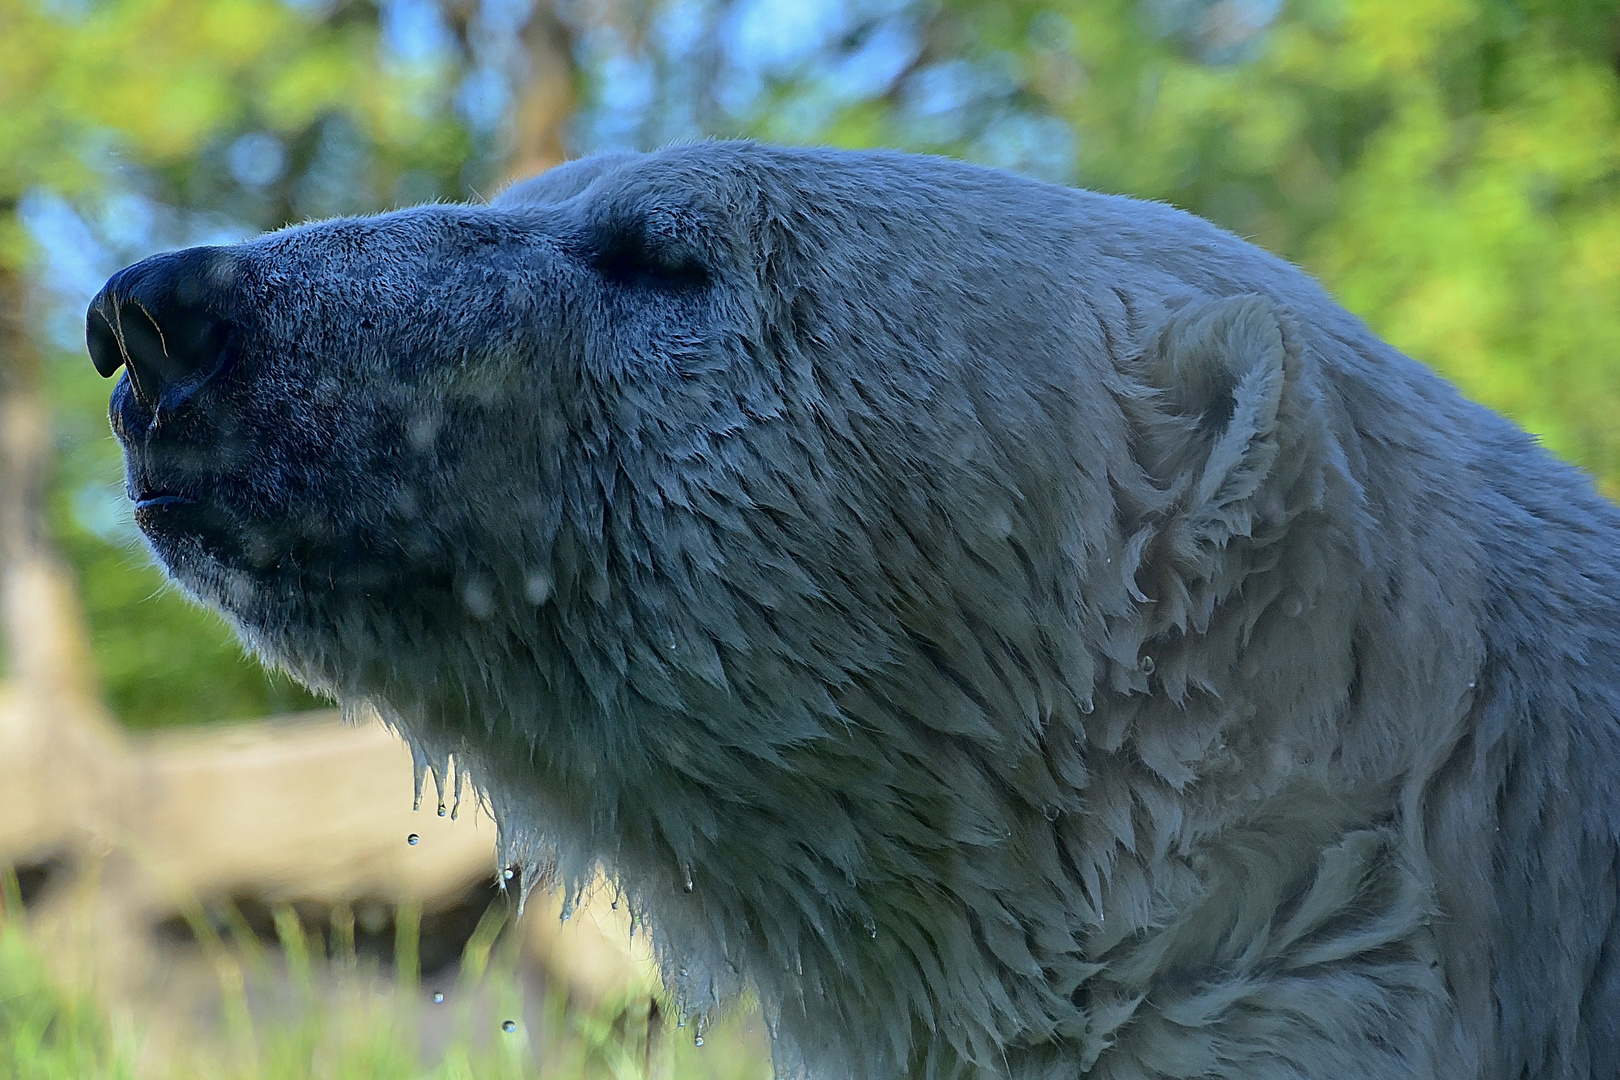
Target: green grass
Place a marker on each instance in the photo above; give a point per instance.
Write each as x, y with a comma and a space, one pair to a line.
336, 1020
46, 1034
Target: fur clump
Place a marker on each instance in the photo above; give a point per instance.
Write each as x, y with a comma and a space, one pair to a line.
1021, 632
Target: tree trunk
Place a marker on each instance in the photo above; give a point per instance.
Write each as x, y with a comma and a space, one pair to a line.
545, 99
47, 645
55, 736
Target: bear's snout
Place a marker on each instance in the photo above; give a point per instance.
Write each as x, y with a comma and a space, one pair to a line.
166, 320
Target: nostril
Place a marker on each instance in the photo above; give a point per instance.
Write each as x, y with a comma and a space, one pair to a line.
188, 344
105, 351
145, 351
155, 318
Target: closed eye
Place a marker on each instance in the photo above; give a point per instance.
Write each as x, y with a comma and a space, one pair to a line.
634, 264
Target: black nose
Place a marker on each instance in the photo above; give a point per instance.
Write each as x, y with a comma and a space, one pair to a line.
163, 318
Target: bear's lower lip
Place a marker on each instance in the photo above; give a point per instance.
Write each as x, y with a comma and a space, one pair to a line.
155, 502
164, 514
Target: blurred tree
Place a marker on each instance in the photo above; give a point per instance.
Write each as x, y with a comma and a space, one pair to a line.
545, 97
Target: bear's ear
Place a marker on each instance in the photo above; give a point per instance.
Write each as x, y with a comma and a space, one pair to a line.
657, 246
1224, 434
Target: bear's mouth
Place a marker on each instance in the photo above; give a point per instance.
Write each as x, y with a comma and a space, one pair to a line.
170, 517
158, 500
203, 522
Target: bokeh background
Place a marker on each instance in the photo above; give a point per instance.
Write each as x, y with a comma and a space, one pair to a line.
1450, 169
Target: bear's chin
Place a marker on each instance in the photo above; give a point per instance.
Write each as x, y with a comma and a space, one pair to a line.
181, 528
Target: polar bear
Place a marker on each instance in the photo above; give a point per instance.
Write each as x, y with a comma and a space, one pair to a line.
1021, 632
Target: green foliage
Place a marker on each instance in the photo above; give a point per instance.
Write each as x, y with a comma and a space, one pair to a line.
159, 83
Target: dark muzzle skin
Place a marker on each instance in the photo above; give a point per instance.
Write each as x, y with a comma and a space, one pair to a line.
170, 319
176, 323
1020, 632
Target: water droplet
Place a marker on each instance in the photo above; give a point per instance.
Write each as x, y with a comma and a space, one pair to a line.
686, 875
507, 874
1147, 665
697, 1040
478, 599
438, 999
509, 1026
442, 810
413, 839
1051, 812
537, 589
680, 1021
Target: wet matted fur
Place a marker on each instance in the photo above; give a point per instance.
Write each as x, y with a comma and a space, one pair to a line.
1023, 632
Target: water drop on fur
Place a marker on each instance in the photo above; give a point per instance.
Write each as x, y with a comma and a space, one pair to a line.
537, 589
509, 1026
438, 999
421, 431
479, 601
686, 875
413, 839
442, 810
697, 1040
